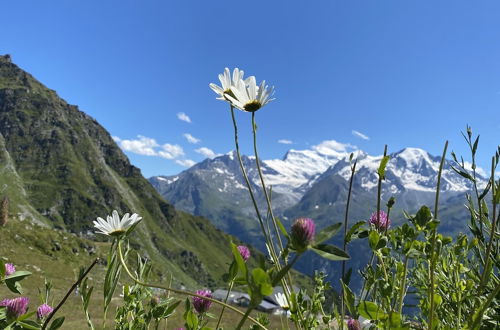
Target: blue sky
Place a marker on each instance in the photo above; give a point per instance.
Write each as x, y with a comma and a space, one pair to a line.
402, 73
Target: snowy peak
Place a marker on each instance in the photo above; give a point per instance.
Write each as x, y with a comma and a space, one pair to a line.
411, 169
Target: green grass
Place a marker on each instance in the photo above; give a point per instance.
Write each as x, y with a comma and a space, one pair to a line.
34, 248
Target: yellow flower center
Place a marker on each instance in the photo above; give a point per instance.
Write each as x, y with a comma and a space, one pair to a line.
117, 233
252, 106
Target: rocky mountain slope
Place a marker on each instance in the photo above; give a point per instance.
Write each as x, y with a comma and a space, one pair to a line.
61, 169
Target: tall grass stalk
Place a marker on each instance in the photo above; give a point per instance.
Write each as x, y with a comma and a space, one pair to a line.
73, 287
346, 218
433, 239
486, 272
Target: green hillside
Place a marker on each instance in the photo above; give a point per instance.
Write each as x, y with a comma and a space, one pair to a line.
61, 169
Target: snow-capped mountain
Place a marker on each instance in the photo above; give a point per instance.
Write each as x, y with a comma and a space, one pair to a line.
220, 180
314, 183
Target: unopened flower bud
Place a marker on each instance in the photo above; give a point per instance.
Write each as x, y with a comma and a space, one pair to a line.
302, 234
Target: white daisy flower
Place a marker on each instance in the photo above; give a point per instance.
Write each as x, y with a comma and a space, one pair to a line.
113, 226
247, 96
227, 82
281, 299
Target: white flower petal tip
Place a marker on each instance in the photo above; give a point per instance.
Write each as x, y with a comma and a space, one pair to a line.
113, 226
281, 299
248, 96
227, 81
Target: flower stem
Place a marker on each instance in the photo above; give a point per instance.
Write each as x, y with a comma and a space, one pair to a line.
249, 187
433, 239
403, 284
287, 287
266, 195
73, 287
225, 301
353, 170
243, 319
187, 293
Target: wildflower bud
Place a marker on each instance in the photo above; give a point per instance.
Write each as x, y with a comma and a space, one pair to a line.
302, 234
15, 307
43, 311
390, 202
202, 305
244, 252
4, 211
381, 222
353, 324
9, 269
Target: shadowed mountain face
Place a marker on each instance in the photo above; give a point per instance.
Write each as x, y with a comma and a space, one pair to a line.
60, 168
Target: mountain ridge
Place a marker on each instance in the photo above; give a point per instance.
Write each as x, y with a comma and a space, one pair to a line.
60, 168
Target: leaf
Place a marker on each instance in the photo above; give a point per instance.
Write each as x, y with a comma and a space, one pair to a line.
57, 323
463, 173
381, 168
485, 191
347, 277
261, 280
242, 266
191, 319
353, 230
474, 147
282, 228
371, 311
330, 252
423, 216
18, 276
12, 281
373, 239
349, 299
171, 308
327, 232
30, 325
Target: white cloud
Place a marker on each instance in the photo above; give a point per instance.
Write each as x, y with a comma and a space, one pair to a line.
209, 153
142, 146
185, 162
171, 151
333, 148
190, 138
182, 116
360, 135
116, 139
284, 141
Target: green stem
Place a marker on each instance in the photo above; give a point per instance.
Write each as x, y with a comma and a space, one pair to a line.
286, 286
403, 284
244, 318
249, 187
433, 239
484, 276
266, 195
225, 301
187, 293
353, 170
379, 188
364, 289
73, 287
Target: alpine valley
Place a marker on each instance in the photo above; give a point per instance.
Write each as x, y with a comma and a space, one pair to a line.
314, 183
